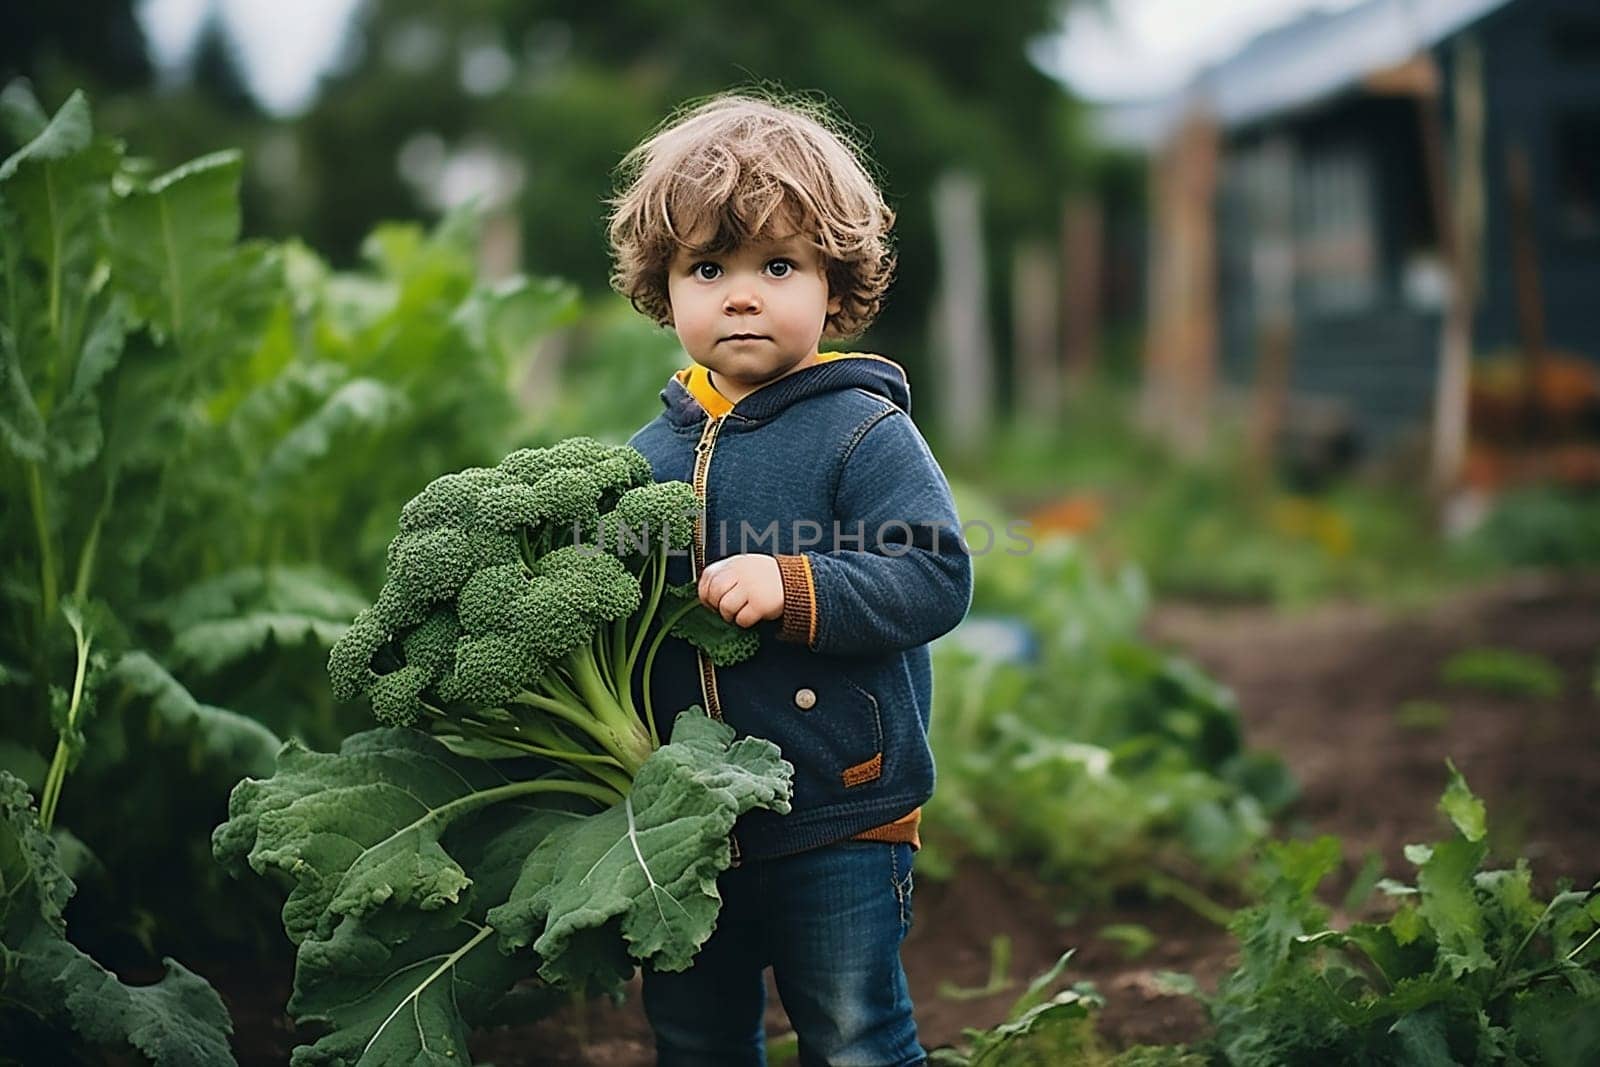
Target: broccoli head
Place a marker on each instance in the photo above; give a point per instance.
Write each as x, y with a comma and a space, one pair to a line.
520, 599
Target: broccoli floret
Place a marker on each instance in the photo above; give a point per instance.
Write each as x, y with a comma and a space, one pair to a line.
521, 598
451, 499
350, 661
431, 646
649, 518
489, 600
395, 696
431, 565
490, 670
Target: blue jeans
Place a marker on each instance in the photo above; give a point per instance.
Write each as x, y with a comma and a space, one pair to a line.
829, 922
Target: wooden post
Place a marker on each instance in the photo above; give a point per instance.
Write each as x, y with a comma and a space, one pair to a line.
1525, 271
1271, 185
962, 335
1037, 382
1082, 246
1458, 217
1181, 338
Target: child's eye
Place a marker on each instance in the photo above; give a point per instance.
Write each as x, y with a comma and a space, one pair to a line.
699, 271
780, 268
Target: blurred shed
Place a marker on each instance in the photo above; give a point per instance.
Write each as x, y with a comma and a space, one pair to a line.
1311, 193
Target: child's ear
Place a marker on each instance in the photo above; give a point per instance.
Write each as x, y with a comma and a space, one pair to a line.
834, 304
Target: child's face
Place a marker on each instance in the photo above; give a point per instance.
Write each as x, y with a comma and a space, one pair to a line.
773, 292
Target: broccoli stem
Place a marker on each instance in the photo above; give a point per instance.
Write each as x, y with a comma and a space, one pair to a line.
594, 791
658, 579
592, 764
649, 662
595, 686
583, 718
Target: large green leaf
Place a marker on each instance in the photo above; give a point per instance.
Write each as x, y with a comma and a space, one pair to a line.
400, 983
410, 1001
21, 117
362, 828
649, 864
76, 434
721, 640
179, 1020
1462, 808
170, 239
404, 858
21, 423
240, 613
59, 336
361, 405
56, 185
305, 590
226, 736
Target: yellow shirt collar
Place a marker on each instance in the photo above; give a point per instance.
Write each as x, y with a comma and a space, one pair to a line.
697, 379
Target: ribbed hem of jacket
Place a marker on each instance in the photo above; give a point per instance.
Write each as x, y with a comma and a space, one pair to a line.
767, 835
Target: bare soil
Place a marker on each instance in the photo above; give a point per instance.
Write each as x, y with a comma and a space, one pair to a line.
1324, 689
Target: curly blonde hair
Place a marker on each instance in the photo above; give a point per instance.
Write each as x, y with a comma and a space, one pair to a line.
736, 167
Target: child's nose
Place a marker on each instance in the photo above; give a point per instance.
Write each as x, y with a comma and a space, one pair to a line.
741, 300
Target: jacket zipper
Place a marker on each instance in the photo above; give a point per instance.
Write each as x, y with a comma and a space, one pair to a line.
702, 465
708, 670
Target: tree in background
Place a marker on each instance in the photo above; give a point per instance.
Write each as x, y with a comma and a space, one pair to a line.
565, 89
96, 41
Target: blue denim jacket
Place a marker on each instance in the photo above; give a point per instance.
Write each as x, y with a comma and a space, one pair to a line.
824, 470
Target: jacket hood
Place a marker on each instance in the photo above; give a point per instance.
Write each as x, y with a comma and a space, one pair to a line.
690, 397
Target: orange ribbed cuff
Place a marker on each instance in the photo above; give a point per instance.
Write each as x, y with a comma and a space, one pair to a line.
903, 829
799, 601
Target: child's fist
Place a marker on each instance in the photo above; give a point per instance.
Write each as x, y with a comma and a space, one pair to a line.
744, 589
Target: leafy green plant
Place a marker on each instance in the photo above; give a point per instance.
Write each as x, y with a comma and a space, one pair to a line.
122, 293
197, 432
1198, 526
1041, 1028
1105, 760
1135, 939
1044, 1029
59, 1003
1540, 526
1470, 967
1505, 671
543, 812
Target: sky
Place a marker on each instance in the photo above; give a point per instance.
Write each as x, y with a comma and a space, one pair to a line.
1118, 50
1139, 49
287, 44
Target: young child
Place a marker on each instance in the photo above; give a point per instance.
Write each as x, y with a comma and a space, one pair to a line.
754, 230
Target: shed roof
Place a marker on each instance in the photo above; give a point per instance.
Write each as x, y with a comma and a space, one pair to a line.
1298, 64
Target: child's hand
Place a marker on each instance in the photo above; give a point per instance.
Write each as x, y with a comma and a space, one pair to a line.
744, 589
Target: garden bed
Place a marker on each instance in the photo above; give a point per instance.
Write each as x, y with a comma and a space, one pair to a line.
1325, 689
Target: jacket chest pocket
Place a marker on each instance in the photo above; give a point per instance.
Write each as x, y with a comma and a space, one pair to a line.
835, 735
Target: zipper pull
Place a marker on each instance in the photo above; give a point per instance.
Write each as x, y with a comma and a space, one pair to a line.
708, 435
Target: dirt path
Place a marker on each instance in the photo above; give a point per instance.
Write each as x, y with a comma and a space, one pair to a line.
1325, 690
